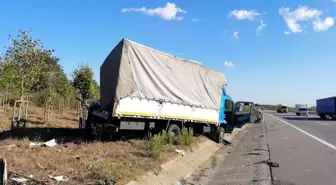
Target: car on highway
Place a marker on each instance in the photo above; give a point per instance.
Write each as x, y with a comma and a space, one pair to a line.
282, 108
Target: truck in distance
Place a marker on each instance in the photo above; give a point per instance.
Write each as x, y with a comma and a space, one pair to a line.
282, 108
301, 109
326, 107
146, 91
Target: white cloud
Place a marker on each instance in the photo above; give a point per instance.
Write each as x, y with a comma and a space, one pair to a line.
261, 26
195, 61
235, 34
244, 14
228, 64
194, 20
304, 14
169, 12
286, 32
320, 25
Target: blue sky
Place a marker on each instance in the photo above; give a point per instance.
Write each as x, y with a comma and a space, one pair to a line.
290, 60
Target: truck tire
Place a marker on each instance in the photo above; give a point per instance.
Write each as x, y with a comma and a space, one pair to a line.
174, 129
220, 134
297, 114
333, 117
322, 116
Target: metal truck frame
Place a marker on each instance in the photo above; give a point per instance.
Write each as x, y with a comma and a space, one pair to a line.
102, 123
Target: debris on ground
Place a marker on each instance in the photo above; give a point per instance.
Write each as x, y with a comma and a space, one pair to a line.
50, 144
101, 156
15, 178
180, 152
19, 180
59, 178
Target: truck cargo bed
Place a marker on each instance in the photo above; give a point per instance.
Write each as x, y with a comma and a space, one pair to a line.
326, 106
135, 107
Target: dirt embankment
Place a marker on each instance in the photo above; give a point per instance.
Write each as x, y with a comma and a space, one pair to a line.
80, 160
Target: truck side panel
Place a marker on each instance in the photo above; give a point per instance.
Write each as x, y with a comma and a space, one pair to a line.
326, 106
135, 107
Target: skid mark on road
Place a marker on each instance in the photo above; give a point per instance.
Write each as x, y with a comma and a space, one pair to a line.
308, 134
321, 123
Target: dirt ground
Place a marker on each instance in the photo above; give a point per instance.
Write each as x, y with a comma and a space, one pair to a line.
81, 161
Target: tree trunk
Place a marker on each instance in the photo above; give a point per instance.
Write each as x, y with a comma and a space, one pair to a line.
22, 90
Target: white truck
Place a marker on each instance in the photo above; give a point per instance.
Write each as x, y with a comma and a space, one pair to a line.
301, 109
146, 91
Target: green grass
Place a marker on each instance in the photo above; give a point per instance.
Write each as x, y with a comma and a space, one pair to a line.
186, 136
159, 141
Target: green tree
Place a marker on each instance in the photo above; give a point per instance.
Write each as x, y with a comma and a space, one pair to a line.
83, 81
6, 74
27, 58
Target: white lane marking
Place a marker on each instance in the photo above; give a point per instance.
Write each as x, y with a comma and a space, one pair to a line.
321, 123
308, 134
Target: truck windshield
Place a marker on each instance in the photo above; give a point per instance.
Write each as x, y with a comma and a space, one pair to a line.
303, 109
283, 107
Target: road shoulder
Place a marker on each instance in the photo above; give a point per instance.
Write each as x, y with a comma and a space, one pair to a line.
181, 168
245, 162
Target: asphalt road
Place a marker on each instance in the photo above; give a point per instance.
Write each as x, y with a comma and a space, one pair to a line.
242, 163
304, 149
284, 150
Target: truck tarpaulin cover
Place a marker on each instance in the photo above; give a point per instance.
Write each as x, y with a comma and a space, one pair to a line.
134, 70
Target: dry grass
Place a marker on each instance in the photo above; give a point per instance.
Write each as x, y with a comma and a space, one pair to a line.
84, 163
121, 161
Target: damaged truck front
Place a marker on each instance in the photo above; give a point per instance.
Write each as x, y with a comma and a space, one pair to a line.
146, 91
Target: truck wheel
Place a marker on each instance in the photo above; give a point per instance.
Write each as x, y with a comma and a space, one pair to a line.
297, 114
220, 134
174, 129
322, 116
333, 117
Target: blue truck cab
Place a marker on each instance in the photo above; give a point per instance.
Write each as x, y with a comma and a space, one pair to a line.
234, 114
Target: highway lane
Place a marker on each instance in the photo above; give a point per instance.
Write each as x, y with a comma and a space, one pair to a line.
304, 149
323, 129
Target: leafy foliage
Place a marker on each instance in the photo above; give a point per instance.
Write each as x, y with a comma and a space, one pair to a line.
6, 74
27, 68
157, 143
26, 58
312, 108
83, 81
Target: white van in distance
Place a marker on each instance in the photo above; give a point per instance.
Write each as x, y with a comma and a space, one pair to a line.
301, 109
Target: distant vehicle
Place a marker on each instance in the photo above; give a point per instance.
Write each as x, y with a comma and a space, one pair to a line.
282, 108
326, 107
301, 109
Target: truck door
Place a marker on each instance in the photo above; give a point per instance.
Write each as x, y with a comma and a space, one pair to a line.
229, 115
243, 113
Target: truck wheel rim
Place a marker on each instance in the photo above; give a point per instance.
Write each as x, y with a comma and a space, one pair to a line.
221, 135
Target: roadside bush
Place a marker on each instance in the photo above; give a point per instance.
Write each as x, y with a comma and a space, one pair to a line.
171, 138
157, 143
186, 136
